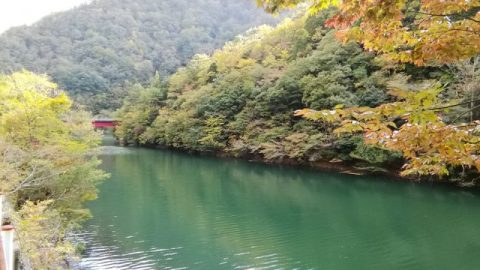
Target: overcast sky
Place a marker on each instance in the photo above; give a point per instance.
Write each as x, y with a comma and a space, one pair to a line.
20, 12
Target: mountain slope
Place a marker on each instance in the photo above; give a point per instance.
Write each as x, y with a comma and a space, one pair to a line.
94, 47
240, 100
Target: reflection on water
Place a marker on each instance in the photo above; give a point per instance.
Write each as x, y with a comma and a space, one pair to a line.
113, 150
166, 210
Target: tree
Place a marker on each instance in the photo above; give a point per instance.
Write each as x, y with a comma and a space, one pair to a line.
466, 84
42, 250
47, 164
415, 126
421, 32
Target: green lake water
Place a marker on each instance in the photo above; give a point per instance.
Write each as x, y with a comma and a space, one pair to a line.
167, 210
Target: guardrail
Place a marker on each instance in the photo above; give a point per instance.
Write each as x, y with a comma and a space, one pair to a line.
7, 249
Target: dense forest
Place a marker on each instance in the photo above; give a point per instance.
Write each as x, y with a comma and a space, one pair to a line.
95, 48
241, 100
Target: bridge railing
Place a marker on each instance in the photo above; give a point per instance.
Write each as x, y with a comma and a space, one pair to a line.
102, 123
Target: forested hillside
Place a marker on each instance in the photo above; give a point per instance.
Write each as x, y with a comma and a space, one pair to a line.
241, 101
94, 48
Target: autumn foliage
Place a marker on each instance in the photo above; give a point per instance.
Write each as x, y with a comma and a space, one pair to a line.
420, 32
48, 167
415, 126
418, 124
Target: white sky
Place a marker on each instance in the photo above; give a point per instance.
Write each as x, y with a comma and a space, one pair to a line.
21, 12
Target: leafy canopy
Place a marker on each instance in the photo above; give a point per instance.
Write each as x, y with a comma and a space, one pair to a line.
47, 166
422, 32
413, 125
94, 49
239, 100
427, 32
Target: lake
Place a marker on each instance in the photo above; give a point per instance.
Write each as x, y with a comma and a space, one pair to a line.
163, 209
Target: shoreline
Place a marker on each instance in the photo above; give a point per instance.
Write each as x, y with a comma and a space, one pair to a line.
340, 167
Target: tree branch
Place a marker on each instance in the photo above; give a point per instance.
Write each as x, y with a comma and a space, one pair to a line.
464, 113
449, 15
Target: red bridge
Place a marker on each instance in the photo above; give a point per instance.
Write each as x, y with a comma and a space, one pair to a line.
104, 123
